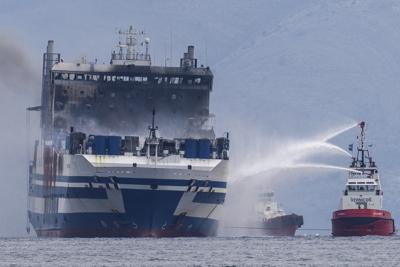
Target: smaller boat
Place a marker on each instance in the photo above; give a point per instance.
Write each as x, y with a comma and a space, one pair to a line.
361, 207
274, 220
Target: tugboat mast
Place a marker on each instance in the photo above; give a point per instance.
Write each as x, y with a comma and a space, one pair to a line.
363, 158
361, 148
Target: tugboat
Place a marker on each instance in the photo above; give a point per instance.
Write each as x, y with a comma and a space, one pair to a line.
361, 207
275, 222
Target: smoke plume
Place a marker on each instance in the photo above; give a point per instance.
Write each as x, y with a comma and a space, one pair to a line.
20, 87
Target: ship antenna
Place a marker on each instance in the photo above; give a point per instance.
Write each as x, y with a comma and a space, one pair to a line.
153, 128
361, 146
153, 140
154, 114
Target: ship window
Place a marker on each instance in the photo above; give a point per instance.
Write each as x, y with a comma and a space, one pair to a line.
351, 188
174, 80
95, 77
370, 187
205, 81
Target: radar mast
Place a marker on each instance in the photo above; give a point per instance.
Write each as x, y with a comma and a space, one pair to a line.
128, 48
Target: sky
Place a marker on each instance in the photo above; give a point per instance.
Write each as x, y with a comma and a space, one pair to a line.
285, 72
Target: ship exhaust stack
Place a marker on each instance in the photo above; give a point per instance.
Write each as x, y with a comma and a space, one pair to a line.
49, 59
188, 60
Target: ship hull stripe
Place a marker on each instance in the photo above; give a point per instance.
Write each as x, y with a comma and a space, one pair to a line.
136, 181
102, 193
120, 225
129, 186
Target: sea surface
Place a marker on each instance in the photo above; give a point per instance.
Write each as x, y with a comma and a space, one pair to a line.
219, 251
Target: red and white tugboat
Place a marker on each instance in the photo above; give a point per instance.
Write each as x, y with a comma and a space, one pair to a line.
361, 207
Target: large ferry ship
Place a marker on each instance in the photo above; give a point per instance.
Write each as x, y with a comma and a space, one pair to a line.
100, 170
361, 207
274, 220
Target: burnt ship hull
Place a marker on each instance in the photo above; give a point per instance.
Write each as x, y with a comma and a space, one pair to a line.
362, 222
285, 225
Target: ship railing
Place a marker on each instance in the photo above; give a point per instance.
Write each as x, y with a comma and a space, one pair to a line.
136, 56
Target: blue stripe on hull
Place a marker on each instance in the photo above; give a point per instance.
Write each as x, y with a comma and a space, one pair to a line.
210, 198
119, 225
101, 193
67, 192
139, 181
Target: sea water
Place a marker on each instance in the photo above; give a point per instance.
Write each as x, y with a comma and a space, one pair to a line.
219, 251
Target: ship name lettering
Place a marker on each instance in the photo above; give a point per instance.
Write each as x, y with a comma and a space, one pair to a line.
361, 199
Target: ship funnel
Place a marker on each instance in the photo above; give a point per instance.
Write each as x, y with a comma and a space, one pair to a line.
191, 51
188, 60
50, 47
